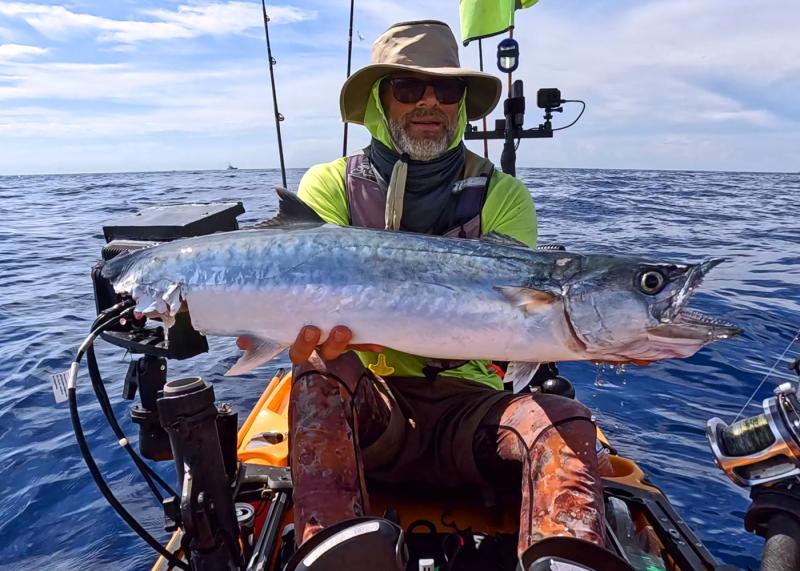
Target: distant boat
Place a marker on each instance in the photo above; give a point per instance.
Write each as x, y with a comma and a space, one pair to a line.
232, 168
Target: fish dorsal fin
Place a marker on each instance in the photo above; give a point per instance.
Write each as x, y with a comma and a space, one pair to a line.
529, 299
503, 239
291, 211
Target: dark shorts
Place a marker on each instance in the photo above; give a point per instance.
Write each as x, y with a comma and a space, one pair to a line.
431, 429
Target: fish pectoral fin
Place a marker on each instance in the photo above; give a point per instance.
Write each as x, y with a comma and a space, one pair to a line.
529, 299
259, 352
519, 374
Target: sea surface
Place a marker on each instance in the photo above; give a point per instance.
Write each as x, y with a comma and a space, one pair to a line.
52, 515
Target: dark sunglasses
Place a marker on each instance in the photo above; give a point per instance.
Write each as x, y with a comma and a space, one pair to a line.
411, 89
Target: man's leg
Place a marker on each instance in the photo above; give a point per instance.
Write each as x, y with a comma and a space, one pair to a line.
334, 410
553, 438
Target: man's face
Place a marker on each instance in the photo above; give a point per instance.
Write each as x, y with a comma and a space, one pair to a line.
423, 129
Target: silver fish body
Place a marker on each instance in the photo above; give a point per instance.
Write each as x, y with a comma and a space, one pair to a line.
426, 295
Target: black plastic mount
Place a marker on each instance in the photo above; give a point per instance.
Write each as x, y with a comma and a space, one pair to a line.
514, 112
510, 129
188, 413
148, 228
781, 499
680, 542
166, 223
543, 131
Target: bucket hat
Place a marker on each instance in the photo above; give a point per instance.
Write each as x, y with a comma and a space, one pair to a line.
426, 46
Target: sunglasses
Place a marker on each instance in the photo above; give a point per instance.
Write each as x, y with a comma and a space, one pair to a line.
411, 89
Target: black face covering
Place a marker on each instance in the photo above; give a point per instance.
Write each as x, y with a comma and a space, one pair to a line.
428, 203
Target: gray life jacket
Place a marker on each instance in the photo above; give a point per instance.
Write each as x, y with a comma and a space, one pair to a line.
366, 198
366, 205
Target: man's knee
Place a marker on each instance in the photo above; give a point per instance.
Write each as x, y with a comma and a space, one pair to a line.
560, 409
532, 416
346, 371
544, 410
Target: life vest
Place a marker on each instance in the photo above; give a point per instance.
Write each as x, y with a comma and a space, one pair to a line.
366, 199
366, 205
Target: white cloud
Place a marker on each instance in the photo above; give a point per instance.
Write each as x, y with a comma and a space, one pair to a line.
186, 21
16, 51
669, 84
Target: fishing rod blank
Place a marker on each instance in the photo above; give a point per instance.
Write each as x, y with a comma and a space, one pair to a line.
278, 117
349, 61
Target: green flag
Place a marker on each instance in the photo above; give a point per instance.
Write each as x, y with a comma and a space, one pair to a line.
484, 18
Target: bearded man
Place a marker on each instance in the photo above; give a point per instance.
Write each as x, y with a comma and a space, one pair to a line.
399, 417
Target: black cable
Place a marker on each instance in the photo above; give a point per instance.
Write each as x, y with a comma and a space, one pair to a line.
105, 405
106, 491
576, 118
89, 460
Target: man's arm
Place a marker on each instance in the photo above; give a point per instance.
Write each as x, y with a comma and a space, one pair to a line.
509, 210
322, 188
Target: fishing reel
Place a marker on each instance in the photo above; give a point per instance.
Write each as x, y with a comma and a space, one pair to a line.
762, 449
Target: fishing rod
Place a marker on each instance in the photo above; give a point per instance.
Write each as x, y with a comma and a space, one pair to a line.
278, 116
485, 140
762, 453
349, 62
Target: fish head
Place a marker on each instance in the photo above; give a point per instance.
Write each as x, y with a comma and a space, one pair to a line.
623, 309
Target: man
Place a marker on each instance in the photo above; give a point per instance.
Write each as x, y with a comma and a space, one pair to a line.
400, 417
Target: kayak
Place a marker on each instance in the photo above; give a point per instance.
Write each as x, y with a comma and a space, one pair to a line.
233, 507
451, 528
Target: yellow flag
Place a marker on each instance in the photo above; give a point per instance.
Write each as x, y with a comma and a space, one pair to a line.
485, 18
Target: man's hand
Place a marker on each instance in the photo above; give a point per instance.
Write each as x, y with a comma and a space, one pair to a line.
307, 341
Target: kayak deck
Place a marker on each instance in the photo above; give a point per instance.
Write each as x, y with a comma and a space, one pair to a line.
643, 520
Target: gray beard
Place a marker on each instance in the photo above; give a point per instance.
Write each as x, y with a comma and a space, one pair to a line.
419, 149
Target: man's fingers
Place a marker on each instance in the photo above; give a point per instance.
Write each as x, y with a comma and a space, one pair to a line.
336, 343
307, 341
305, 344
243, 343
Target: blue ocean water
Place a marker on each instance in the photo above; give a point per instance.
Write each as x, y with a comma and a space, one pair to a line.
53, 517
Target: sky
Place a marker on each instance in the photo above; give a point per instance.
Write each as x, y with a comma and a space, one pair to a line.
149, 85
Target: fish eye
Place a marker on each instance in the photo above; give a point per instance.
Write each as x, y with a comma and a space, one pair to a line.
651, 282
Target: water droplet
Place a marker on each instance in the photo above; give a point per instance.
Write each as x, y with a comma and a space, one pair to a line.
599, 381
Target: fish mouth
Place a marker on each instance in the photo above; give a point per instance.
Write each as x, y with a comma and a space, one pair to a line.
679, 322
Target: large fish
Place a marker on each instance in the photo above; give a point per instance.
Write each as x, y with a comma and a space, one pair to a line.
438, 297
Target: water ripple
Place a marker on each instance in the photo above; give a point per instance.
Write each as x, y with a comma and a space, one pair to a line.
50, 236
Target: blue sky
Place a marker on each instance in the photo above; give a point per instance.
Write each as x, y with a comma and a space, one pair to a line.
88, 86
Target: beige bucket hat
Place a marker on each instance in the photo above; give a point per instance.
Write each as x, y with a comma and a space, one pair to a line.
426, 46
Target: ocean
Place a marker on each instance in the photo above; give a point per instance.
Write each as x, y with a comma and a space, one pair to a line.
52, 515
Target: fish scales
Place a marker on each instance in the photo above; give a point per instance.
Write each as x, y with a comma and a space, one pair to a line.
427, 295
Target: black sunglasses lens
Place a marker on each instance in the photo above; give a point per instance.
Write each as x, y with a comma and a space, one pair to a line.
448, 91
408, 90
411, 90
